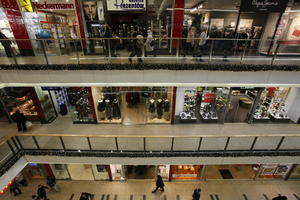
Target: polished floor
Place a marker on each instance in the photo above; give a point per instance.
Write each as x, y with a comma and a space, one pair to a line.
224, 189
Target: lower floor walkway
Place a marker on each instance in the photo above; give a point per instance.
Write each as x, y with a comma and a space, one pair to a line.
141, 190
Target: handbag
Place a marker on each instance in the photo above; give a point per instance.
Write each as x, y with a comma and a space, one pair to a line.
28, 124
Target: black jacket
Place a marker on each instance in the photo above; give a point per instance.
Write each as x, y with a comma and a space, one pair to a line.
19, 117
160, 183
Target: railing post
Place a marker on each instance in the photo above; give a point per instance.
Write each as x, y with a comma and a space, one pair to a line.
62, 143
144, 144
275, 53
280, 142
117, 145
19, 142
211, 51
11, 147
172, 145
44, 51
200, 141
109, 50
227, 142
253, 144
36, 143
89, 142
76, 51
13, 55
15, 143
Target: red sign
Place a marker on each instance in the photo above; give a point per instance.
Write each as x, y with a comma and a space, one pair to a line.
209, 98
53, 6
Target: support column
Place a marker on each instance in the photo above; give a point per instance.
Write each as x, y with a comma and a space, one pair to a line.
177, 22
17, 25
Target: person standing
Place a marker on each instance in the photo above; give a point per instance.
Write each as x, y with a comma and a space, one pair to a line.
149, 44
20, 119
137, 49
51, 182
41, 192
201, 45
197, 194
159, 184
14, 187
6, 44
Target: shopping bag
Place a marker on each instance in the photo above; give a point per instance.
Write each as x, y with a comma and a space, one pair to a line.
28, 124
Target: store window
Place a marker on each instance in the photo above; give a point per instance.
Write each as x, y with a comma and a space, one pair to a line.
101, 172
201, 104
46, 104
133, 105
272, 106
240, 104
117, 172
81, 104
186, 172
274, 171
60, 171
23, 99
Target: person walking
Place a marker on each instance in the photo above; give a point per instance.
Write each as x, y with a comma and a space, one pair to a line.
137, 49
14, 188
149, 44
20, 119
6, 43
197, 194
201, 45
159, 184
51, 181
279, 197
41, 192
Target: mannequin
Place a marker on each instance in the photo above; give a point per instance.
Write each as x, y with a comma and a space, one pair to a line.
152, 106
159, 108
101, 109
108, 110
116, 109
166, 105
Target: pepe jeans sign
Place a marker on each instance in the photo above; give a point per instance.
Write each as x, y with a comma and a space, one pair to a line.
123, 5
263, 5
51, 5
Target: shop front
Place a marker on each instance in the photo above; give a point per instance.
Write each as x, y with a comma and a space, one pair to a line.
274, 171
88, 172
133, 105
186, 172
201, 104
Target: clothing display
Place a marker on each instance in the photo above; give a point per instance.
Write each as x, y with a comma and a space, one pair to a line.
108, 110
159, 108
116, 109
151, 105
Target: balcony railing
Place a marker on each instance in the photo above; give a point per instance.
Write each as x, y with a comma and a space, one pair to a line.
141, 146
153, 50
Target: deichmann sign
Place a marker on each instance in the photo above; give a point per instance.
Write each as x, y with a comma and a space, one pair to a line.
263, 5
123, 5
53, 6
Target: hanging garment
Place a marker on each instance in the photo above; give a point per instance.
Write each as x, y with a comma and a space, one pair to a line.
166, 106
152, 106
109, 111
159, 109
116, 109
101, 106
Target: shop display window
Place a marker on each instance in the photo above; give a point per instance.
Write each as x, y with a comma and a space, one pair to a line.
272, 105
238, 171
81, 100
46, 104
23, 99
117, 172
101, 172
164, 171
274, 171
186, 172
60, 171
203, 104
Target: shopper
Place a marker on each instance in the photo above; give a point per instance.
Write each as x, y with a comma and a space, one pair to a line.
6, 43
149, 44
51, 181
190, 41
14, 188
159, 184
41, 192
21, 180
137, 48
20, 119
85, 196
197, 194
202, 43
227, 44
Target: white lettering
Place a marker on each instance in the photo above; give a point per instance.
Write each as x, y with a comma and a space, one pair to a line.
263, 3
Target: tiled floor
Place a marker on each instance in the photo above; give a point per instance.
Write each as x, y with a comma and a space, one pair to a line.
226, 190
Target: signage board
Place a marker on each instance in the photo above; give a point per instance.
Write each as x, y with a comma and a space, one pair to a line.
125, 5
26, 5
263, 5
53, 5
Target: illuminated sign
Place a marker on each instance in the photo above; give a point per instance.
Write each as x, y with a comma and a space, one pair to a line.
53, 6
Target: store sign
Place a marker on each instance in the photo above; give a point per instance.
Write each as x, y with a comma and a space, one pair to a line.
51, 88
53, 5
124, 5
263, 5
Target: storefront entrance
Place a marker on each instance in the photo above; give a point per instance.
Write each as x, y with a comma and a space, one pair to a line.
140, 171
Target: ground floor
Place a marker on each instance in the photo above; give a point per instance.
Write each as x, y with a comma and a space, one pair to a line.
141, 189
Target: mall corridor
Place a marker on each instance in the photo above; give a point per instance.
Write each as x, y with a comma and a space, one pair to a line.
141, 189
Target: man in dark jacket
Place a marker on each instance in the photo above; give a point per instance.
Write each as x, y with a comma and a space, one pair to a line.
14, 187
6, 44
279, 197
41, 192
159, 184
20, 119
196, 194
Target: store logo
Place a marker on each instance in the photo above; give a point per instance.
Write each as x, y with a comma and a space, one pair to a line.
264, 3
54, 6
130, 4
